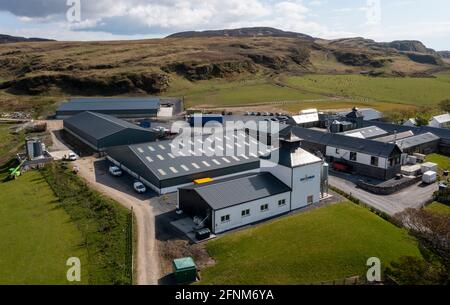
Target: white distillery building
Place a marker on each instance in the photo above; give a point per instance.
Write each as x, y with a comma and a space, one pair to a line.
292, 182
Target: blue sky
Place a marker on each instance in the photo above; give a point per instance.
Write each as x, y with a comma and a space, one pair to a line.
381, 20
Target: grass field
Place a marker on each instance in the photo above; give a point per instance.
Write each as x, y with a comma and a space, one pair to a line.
442, 161
329, 243
9, 143
36, 235
411, 91
439, 208
318, 91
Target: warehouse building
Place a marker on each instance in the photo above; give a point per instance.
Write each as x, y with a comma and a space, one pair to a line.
287, 183
425, 143
119, 107
360, 156
100, 131
226, 204
163, 170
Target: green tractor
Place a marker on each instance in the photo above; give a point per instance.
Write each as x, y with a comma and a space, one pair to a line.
14, 172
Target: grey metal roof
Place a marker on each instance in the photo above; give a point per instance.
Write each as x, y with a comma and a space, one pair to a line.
368, 113
370, 147
395, 137
443, 133
103, 104
417, 140
366, 132
166, 163
99, 125
225, 193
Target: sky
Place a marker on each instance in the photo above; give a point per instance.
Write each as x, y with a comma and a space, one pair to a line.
380, 20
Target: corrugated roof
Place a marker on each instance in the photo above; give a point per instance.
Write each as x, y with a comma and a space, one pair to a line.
225, 193
417, 140
443, 118
99, 125
370, 147
366, 132
368, 113
104, 104
443, 133
165, 162
395, 137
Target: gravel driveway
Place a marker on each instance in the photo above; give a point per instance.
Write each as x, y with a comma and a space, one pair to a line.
415, 196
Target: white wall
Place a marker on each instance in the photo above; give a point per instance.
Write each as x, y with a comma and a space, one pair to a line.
235, 212
360, 157
283, 173
302, 188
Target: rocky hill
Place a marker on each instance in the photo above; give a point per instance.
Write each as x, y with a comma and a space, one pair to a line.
444, 54
12, 39
243, 32
151, 66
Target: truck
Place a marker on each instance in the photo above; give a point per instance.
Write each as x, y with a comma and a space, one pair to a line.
203, 119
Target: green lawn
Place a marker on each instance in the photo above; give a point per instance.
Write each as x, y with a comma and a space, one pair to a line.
325, 244
438, 208
36, 235
412, 91
442, 161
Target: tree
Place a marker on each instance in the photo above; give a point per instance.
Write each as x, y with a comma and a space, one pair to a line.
433, 233
410, 270
445, 105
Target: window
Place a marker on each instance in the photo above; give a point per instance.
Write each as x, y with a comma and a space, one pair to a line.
246, 213
264, 207
374, 161
282, 203
310, 199
225, 218
353, 156
394, 161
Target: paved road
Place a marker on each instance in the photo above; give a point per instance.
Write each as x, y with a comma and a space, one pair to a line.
119, 189
412, 197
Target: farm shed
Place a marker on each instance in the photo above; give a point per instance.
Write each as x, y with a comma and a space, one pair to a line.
119, 107
99, 131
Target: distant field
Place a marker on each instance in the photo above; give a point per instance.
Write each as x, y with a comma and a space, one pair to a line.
36, 235
439, 208
412, 91
235, 93
326, 244
221, 93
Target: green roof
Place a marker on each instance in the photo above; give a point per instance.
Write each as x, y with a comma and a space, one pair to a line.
184, 263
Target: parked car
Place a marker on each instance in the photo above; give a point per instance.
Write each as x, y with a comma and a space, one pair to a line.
115, 171
70, 157
139, 187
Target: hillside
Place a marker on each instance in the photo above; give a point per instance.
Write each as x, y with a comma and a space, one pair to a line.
150, 66
13, 39
243, 32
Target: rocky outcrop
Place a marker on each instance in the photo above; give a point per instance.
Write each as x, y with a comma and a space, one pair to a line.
358, 59
444, 54
202, 71
152, 83
425, 59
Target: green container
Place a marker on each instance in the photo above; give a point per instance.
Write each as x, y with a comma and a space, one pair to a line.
185, 270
